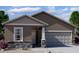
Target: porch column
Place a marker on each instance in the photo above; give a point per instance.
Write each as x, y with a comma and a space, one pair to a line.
43, 41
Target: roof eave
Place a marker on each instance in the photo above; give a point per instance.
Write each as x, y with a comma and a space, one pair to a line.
45, 24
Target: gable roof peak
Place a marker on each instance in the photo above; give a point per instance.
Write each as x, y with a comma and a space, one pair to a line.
42, 12
49, 14
44, 23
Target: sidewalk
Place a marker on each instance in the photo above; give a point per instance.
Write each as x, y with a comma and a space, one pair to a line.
73, 49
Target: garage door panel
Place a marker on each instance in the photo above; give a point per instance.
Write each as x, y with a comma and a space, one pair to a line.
58, 38
52, 39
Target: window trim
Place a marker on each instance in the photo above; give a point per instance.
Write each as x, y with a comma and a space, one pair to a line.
15, 34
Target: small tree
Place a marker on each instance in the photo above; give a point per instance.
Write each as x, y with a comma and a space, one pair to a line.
3, 18
74, 19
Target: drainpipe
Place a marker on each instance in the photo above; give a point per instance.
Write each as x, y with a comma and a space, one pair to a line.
43, 41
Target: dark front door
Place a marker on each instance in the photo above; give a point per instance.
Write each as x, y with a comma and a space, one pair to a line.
38, 37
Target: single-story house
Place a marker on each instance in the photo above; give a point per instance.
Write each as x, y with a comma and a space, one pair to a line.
39, 29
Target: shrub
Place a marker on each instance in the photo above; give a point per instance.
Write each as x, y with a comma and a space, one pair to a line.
3, 45
77, 40
77, 33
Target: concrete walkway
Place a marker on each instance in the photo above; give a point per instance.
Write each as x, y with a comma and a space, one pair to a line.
30, 50
72, 49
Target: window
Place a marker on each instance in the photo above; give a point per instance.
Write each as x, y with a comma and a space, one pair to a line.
18, 34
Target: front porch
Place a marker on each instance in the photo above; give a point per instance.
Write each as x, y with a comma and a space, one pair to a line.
25, 29
32, 37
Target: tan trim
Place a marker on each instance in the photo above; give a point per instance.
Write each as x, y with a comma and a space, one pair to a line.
59, 31
27, 24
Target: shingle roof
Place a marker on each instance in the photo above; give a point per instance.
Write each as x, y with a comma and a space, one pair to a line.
26, 16
49, 21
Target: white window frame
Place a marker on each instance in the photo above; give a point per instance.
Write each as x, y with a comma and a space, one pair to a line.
21, 34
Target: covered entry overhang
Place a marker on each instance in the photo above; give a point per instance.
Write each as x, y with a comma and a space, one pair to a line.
29, 33
28, 27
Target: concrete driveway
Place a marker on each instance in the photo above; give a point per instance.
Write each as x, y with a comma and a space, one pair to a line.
72, 49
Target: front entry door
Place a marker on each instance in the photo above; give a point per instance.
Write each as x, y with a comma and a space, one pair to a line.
38, 37
18, 34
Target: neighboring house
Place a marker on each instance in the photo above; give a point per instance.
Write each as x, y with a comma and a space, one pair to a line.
37, 28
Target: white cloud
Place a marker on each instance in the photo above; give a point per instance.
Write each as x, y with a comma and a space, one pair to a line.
16, 6
54, 10
65, 16
74, 9
51, 9
26, 9
65, 9
61, 13
11, 13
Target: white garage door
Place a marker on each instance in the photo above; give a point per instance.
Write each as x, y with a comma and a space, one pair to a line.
54, 39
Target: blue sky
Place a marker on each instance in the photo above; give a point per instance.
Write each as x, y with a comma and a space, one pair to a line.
62, 12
